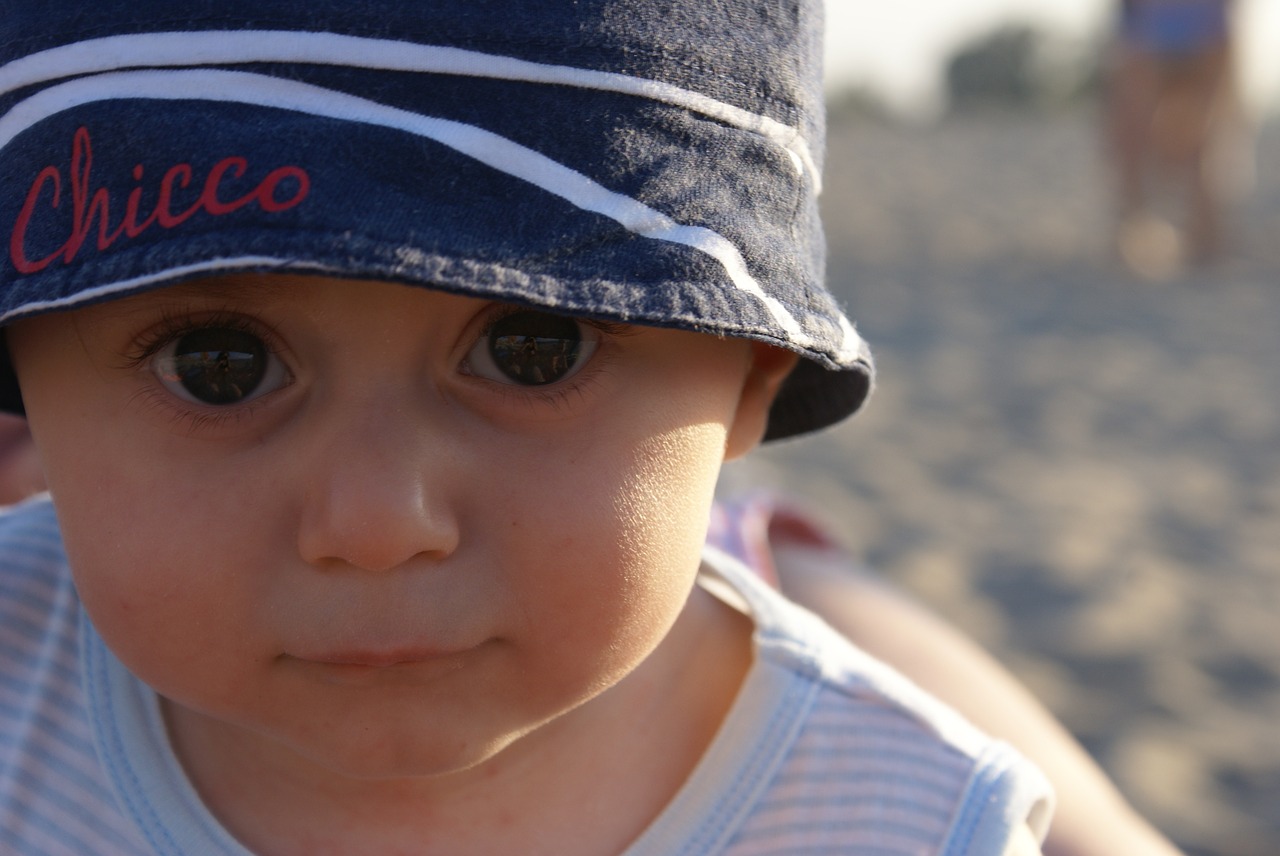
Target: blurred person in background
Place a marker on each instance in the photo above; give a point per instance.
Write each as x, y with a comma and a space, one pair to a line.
1172, 120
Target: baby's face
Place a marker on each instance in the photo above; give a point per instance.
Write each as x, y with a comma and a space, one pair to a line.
384, 528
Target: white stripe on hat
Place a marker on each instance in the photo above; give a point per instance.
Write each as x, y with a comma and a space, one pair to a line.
485, 146
222, 47
205, 268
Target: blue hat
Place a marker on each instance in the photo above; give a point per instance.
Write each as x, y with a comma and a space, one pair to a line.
647, 161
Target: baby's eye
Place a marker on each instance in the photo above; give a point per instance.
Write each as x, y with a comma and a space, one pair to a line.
532, 348
218, 366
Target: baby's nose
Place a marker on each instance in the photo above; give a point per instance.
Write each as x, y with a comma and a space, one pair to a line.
379, 494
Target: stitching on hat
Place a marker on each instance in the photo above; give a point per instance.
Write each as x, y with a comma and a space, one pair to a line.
215, 47
456, 275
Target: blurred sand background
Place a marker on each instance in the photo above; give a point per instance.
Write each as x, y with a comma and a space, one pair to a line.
1076, 466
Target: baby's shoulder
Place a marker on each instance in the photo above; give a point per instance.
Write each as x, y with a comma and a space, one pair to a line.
874, 758
862, 751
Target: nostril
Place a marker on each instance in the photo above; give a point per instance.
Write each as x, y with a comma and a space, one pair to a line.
381, 545
380, 486
376, 524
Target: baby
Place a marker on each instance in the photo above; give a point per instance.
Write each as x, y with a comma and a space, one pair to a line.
382, 359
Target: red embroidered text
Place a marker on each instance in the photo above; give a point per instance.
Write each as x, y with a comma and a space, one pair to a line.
281, 189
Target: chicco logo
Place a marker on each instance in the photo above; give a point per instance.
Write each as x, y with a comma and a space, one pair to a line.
281, 189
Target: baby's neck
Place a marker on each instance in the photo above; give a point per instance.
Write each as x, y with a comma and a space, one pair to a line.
589, 782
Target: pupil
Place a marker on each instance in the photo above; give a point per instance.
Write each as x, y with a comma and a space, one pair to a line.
219, 366
534, 348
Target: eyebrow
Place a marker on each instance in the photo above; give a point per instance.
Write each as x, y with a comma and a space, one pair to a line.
254, 288
251, 286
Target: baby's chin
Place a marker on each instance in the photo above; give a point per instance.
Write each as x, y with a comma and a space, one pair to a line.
421, 750
398, 760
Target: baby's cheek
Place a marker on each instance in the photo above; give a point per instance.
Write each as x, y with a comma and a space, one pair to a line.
156, 598
664, 508
139, 621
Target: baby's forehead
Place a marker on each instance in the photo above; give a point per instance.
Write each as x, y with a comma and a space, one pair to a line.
283, 295
235, 288
238, 293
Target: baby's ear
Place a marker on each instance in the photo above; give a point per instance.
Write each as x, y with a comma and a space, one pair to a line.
769, 368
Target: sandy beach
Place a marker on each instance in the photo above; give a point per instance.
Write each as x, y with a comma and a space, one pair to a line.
1078, 467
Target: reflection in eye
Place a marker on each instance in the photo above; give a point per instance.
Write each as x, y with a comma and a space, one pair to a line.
218, 366
531, 348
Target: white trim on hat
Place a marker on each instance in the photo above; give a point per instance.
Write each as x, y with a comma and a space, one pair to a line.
485, 146
205, 268
222, 47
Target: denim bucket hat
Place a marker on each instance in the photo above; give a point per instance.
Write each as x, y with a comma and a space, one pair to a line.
650, 161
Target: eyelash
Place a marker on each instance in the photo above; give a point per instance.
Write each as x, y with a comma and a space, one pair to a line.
501, 311
171, 326
554, 395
